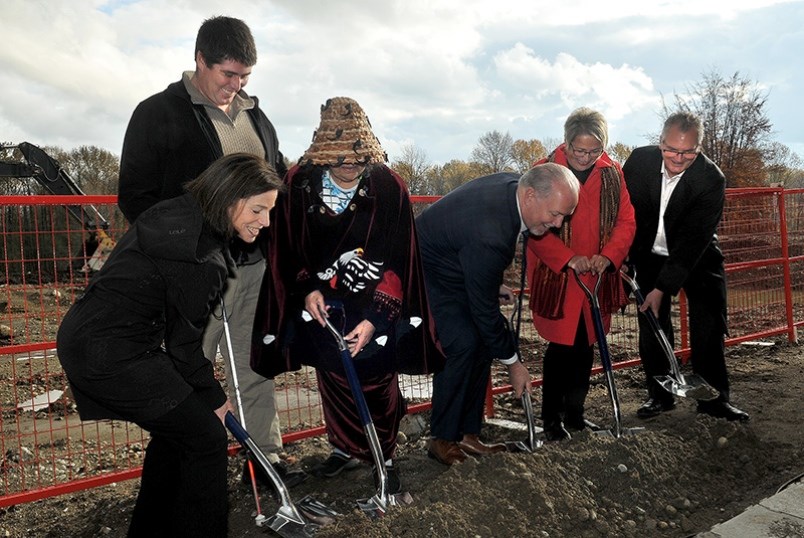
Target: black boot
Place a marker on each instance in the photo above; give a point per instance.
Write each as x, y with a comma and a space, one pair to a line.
555, 431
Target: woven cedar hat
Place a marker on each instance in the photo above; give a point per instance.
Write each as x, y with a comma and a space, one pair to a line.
344, 136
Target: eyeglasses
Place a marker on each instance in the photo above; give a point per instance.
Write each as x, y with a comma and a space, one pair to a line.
685, 153
580, 153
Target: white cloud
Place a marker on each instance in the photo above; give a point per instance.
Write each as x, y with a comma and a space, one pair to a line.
434, 73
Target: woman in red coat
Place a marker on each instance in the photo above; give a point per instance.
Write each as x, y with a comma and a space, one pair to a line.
595, 239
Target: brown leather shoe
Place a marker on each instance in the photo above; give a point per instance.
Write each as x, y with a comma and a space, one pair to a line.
446, 452
473, 446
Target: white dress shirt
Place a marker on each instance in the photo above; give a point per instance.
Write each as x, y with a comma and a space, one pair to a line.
668, 186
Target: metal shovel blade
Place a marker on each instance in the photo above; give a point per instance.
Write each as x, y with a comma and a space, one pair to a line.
377, 506
286, 525
316, 512
288, 521
621, 433
532, 442
690, 386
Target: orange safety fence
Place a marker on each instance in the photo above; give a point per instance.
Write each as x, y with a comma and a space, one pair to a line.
46, 450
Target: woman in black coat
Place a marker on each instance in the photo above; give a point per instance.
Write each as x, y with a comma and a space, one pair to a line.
131, 344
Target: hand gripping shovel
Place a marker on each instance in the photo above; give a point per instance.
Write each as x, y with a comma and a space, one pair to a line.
377, 505
605, 358
691, 386
288, 521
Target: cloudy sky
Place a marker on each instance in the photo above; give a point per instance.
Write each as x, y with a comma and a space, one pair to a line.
433, 73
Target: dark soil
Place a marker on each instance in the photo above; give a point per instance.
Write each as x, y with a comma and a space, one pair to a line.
681, 475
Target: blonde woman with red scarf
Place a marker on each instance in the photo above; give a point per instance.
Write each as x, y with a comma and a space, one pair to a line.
594, 240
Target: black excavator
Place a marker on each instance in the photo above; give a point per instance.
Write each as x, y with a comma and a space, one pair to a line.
46, 170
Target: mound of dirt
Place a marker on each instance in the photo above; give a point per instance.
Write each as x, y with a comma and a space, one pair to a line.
680, 475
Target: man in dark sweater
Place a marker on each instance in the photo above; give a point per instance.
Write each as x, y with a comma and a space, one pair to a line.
174, 135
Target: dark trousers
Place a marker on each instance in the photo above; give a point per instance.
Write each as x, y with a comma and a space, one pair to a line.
565, 378
184, 486
459, 390
706, 296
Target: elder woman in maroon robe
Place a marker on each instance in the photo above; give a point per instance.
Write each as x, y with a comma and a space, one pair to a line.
346, 236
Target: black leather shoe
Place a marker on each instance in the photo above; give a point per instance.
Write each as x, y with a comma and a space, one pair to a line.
723, 410
334, 465
655, 406
574, 423
554, 431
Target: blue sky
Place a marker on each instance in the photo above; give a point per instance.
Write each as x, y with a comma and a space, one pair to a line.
433, 73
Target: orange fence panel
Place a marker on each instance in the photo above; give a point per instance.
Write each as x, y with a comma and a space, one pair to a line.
46, 450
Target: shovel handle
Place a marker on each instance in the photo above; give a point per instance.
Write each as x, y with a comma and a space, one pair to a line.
597, 318
288, 509
603, 348
655, 327
351, 374
383, 498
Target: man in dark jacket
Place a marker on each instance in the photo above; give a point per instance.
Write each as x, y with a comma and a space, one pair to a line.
678, 196
174, 135
467, 240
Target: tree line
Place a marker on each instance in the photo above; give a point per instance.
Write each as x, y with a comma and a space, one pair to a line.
738, 137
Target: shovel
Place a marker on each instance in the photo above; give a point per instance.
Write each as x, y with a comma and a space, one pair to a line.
288, 521
605, 358
532, 443
691, 386
377, 505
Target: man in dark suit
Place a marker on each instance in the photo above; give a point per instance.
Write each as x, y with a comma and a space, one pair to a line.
678, 196
467, 240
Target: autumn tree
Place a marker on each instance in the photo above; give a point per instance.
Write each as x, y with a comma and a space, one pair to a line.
735, 124
620, 152
783, 166
493, 152
455, 173
526, 152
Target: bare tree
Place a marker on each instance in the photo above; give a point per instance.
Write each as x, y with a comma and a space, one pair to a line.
783, 166
526, 152
16, 185
735, 124
94, 170
493, 151
413, 166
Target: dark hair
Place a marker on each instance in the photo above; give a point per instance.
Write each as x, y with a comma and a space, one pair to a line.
224, 38
228, 181
685, 121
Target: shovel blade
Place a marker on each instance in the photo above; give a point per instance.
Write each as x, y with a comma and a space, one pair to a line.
519, 446
623, 432
316, 512
693, 386
376, 507
288, 527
